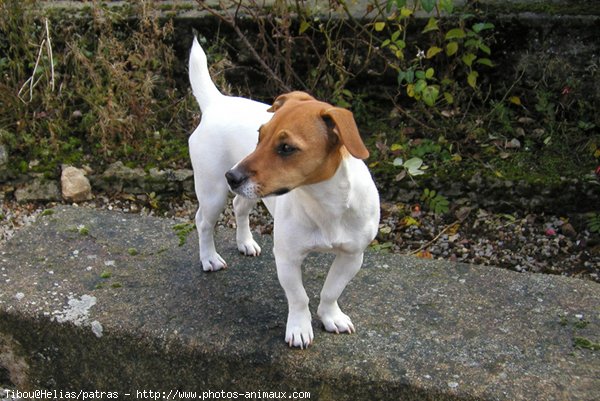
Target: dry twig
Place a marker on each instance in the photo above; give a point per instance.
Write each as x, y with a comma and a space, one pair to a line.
31, 82
231, 20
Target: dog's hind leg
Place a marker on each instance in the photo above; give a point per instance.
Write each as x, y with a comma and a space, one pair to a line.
245, 242
206, 218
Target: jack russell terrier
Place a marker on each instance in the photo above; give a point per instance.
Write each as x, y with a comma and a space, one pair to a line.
308, 169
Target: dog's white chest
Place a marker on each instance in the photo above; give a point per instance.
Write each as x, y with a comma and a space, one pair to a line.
339, 215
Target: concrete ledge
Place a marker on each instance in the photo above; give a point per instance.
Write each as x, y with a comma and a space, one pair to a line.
94, 300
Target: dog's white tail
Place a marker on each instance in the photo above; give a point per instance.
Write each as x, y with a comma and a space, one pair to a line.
203, 87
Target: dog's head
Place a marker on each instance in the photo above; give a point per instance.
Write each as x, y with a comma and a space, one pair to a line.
302, 144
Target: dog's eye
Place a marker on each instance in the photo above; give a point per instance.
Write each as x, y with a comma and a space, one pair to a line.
285, 150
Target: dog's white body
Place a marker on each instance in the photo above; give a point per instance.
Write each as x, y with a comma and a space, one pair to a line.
227, 133
339, 214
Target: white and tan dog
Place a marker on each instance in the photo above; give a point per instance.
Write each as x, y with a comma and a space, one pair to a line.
307, 166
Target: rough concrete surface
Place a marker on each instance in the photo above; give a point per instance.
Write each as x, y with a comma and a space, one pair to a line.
99, 300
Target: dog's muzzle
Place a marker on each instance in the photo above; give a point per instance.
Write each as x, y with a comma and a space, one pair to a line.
236, 178
240, 182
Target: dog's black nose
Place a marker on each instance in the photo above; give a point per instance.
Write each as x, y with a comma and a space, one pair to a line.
235, 178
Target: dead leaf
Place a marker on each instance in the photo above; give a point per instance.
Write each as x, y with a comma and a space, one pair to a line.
425, 254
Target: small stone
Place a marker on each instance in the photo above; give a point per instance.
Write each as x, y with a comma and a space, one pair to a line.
38, 189
97, 328
75, 185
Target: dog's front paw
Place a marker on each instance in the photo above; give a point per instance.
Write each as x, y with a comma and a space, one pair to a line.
299, 332
249, 247
213, 263
335, 321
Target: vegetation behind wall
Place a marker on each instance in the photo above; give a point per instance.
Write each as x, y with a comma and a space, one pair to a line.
87, 88
442, 94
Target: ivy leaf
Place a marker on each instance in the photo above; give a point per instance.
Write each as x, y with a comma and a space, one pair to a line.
432, 25
468, 59
485, 61
379, 26
428, 5
447, 6
451, 48
405, 12
401, 77
484, 48
456, 33
420, 86
472, 43
430, 95
472, 79
481, 26
432, 51
429, 73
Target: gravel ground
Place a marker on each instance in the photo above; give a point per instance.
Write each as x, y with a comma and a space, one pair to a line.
539, 243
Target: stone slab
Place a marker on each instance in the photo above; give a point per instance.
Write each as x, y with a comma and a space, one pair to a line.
99, 300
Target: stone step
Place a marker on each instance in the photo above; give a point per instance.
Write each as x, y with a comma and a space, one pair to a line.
102, 301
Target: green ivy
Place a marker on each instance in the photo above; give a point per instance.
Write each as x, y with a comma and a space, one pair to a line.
453, 60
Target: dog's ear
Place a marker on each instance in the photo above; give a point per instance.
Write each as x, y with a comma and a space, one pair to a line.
341, 121
281, 99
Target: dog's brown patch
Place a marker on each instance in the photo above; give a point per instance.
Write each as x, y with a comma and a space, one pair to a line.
302, 144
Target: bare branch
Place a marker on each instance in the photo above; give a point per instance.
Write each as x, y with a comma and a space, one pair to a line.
231, 20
